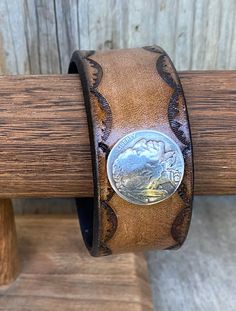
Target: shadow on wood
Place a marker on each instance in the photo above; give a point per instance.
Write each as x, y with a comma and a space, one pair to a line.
9, 261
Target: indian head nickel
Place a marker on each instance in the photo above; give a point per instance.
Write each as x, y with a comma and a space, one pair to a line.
145, 167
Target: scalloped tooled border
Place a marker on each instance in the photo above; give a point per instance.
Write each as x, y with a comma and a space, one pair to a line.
107, 210
181, 223
96, 79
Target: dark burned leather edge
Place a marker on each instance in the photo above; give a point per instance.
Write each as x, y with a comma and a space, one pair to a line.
186, 213
88, 208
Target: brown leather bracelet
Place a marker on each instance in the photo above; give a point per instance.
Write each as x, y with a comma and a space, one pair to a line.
141, 151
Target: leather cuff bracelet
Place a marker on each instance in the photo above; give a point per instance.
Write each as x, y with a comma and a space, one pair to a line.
141, 151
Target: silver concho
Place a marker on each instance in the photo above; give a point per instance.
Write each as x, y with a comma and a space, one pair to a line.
145, 167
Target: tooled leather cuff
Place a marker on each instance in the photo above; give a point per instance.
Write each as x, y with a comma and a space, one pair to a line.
141, 151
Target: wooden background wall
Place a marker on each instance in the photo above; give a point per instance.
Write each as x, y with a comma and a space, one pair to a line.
38, 36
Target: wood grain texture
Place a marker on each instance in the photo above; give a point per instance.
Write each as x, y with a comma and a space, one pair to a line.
59, 274
38, 36
9, 260
211, 98
44, 143
197, 34
53, 133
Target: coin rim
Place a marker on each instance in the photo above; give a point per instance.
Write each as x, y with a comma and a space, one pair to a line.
109, 166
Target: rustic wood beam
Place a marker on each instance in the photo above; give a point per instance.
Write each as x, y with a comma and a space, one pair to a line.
44, 145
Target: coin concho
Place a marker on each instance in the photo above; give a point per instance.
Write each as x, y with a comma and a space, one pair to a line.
145, 167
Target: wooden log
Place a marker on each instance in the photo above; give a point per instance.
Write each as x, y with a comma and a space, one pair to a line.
44, 145
9, 261
59, 274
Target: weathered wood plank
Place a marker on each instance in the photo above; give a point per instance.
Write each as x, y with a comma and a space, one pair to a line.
38, 36
68, 30
197, 35
59, 274
13, 47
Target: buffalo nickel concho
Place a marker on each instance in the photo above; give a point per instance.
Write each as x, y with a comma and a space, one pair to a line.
145, 167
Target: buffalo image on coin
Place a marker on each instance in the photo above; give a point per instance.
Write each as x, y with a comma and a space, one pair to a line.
147, 169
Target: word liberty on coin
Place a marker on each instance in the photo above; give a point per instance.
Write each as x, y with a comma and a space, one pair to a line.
145, 167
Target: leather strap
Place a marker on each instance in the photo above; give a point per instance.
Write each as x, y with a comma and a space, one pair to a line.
125, 91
